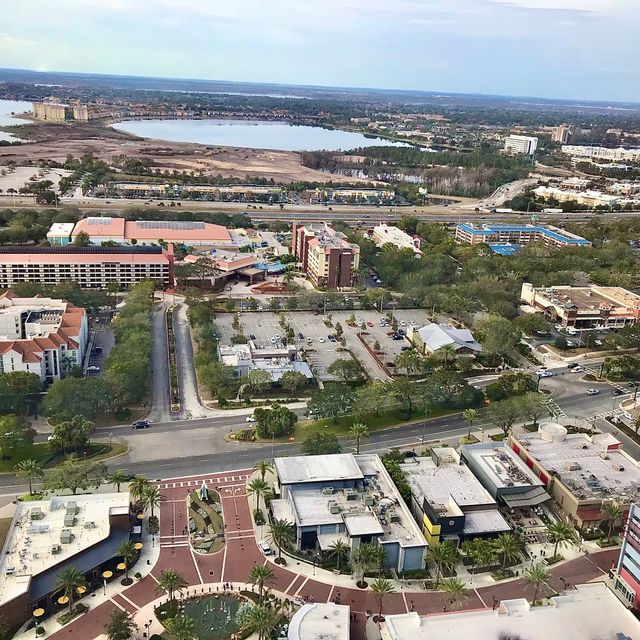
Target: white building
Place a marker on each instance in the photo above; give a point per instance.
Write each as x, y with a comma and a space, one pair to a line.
60, 233
386, 234
276, 360
587, 612
320, 621
521, 144
41, 336
602, 153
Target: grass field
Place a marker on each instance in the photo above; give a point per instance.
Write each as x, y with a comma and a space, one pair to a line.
41, 453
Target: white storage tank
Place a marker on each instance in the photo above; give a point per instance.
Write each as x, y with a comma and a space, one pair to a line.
552, 432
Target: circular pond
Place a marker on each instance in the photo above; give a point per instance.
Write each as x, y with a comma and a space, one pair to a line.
214, 616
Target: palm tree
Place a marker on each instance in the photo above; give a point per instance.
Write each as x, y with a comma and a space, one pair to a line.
456, 590
537, 575
260, 575
127, 551
181, 627
378, 556
260, 619
444, 556
258, 487
263, 467
138, 486
68, 580
358, 431
31, 470
363, 558
281, 534
559, 534
507, 546
470, 415
152, 498
171, 581
612, 513
381, 587
636, 423
339, 550
121, 626
119, 477
446, 354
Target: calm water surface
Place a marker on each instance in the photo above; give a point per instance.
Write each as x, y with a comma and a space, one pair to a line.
7, 107
252, 134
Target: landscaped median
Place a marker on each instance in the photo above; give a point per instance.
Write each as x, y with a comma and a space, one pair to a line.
174, 387
341, 426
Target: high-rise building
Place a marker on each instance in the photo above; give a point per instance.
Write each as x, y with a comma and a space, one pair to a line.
561, 134
627, 580
521, 144
328, 258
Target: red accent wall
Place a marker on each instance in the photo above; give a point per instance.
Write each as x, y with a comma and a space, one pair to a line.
632, 582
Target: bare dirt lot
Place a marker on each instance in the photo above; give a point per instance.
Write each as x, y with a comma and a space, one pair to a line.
56, 142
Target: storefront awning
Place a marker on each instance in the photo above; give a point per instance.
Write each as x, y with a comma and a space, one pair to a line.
531, 498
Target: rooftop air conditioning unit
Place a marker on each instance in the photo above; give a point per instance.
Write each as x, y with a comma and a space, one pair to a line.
368, 501
572, 466
327, 491
618, 467
393, 517
334, 507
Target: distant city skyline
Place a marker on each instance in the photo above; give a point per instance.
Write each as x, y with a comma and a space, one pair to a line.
566, 49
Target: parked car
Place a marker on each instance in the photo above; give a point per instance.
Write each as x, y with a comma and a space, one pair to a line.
309, 341
332, 338
141, 424
321, 339
300, 336
369, 324
93, 367
251, 336
263, 545
250, 418
572, 365
593, 392
617, 392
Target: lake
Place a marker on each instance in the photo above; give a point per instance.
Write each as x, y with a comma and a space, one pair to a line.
7, 107
251, 134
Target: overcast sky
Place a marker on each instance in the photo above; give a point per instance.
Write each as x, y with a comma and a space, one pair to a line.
586, 49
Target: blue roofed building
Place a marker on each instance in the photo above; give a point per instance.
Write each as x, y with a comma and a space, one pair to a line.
519, 234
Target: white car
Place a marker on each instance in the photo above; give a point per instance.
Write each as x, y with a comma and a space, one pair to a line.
320, 339
403, 323
250, 419
273, 340
265, 548
558, 327
579, 369
543, 373
93, 368
593, 392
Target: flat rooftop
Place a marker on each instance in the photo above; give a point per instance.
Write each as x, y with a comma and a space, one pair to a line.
588, 612
437, 483
587, 465
589, 297
320, 621
502, 466
374, 505
301, 469
34, 541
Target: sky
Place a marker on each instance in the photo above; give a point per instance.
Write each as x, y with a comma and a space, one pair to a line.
576, 49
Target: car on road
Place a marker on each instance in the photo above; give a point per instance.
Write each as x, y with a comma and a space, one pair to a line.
593, 392
141, 424
251, 336
558, 327
250, 418
543, 373
405, 348
572, 365
403, 323
617, 392
321, 339
579, 369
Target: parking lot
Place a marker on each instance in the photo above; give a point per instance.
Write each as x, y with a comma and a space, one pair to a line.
320, 350
103, 341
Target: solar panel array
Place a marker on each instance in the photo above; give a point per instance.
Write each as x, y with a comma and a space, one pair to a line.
102, 222
175, 226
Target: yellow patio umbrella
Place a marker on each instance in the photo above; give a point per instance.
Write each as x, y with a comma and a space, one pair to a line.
140, 516
107, 574
121, 566
38, 613
81, 589
63, 600
138, 545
